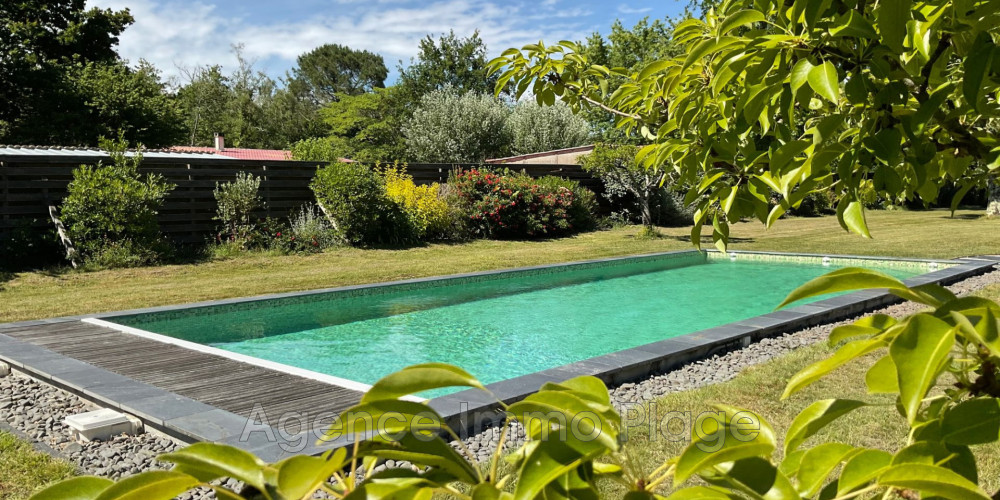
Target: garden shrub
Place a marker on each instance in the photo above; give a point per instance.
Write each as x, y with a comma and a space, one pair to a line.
431, 216
27, 246
353, 198
236, 202
309, 230
584, 205
508, 205
110, 209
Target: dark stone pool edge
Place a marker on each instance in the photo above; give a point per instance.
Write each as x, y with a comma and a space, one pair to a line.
468, 411
471, 411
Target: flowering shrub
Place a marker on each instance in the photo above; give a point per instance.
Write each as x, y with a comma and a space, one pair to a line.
431, 216
309, 231
510, 205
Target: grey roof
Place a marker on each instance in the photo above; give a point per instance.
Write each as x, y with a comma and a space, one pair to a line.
70, 151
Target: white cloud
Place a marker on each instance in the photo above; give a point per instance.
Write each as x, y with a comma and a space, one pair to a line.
187, 33
625, 9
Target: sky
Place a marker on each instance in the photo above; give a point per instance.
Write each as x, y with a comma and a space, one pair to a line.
178, 34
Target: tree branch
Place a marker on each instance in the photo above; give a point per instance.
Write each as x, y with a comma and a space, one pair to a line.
925, 72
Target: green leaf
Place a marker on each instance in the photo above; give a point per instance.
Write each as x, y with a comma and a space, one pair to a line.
919, 353
546, 462
77, 488
890, 18
754, 476
864, 327
800, 74
384, 417
219, 460
300, 476
702, 493
971, 422
976, 66
418, 378
882, 377
853, 216
815, 417
818, 463
861, 469
723, 437
819, 369
423, 451
153, 485
886, 144
842, 280
740, 18
823, 79
931, 480
562, 412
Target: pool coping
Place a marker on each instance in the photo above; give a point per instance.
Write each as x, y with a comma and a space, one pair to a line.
467, 411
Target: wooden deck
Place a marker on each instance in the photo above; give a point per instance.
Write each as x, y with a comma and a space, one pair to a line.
214, 380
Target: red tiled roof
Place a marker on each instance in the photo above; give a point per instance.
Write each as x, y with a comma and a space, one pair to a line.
238, 153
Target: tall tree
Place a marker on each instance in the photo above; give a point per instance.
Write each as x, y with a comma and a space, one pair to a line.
449, 61
248, 107
334, 69
535, 128
451, 126
367, 127
630, 49
58, 63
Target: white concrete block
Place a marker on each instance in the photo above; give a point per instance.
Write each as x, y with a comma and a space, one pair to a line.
4, 369
100, 424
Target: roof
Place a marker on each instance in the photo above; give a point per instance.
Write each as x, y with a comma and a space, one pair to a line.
238, 153
76, 152
555, 152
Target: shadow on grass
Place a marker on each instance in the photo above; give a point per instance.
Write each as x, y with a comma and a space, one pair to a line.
965, 216
708, 239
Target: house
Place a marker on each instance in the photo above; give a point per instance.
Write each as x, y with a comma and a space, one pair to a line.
220, 149
568, 156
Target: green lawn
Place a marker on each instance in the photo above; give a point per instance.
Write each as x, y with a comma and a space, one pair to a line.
47, 294
24, 470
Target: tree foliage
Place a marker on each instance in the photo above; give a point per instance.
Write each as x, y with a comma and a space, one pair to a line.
366, 127
789, 98
110, 209
535, 128
450, 126
449, 61
617, 167
60, 76
249, 108
333, 69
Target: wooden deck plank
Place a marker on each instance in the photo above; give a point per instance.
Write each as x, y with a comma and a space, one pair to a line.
214, 380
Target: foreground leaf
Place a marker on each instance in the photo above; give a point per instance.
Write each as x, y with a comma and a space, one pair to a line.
931, 480
153, 485
77, 488
815, 417
919, 353
418, 378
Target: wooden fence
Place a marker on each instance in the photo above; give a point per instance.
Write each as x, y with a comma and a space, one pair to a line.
30, 183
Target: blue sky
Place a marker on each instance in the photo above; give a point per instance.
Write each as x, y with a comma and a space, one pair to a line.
177, 34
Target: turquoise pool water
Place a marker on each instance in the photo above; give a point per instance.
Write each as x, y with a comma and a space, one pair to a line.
498, 327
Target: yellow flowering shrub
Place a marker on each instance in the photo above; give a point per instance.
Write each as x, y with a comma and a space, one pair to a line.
431, 216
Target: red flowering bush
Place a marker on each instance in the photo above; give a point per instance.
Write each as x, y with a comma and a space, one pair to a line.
511, 205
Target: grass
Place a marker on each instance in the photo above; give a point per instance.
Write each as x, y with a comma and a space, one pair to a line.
45, 294
759, 388
23, 470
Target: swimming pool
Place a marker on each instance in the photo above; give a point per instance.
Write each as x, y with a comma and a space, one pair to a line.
501, 325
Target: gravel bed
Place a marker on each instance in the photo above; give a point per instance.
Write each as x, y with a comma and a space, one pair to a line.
36, 410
